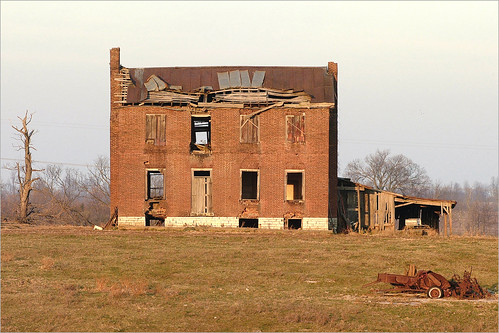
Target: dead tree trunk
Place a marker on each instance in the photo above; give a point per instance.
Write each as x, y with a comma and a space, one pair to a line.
25, 172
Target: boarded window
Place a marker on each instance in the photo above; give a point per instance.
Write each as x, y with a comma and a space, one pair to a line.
294, 186
156, 129
295, 128
249, 185
250, 129
155, 184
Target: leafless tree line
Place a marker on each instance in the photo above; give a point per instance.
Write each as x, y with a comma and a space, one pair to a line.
476, 212
62, 195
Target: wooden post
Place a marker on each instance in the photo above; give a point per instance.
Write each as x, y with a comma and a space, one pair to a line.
445, 223
450, 218
358, 207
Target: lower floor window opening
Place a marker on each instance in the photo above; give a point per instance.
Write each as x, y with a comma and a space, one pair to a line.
155, 184
294, 224
248, 223
152, 221
294, 186
249, 185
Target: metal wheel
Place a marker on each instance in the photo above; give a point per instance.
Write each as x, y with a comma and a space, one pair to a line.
435, 292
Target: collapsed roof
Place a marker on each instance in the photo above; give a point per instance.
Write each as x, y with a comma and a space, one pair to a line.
199, 86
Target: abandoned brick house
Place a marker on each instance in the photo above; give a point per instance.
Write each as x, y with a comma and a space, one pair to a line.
224, 146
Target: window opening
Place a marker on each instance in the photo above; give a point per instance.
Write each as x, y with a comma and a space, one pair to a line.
294, 224
248, 223
249, 185
200, 133
294, 186
156, 129
155, 185
295, 128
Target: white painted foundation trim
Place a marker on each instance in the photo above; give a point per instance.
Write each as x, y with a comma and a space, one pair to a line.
131, 221
308, 223
210, 221
314, 223
271, 223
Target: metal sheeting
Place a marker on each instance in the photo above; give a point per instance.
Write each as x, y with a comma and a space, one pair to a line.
245, 79
235, 79
258, 77
223, 80
154, 83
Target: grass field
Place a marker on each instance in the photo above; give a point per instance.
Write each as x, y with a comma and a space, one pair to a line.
195, 279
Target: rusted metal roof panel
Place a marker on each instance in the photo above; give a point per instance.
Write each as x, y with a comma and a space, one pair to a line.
313, 80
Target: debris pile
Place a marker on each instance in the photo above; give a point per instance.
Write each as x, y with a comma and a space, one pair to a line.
467, 287
433, 284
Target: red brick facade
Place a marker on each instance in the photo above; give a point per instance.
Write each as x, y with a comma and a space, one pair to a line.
132, 157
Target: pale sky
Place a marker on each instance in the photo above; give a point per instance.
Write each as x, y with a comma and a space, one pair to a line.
418, 78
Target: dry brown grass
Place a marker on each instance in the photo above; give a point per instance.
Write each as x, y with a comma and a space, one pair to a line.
7, 256
124, 287
47, 263
202, 279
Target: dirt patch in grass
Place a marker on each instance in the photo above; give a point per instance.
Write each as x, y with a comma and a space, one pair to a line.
208, 279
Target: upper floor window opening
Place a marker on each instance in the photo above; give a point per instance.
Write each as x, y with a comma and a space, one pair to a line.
200, 133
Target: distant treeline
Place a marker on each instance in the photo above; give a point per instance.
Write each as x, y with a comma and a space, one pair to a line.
63, 195
476, 211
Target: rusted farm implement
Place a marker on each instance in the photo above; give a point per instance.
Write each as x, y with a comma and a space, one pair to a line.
433, 284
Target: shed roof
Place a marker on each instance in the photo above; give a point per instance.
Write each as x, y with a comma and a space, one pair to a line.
399, 197
315, 81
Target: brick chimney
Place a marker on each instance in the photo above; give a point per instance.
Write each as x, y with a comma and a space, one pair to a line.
332, 68
115, 58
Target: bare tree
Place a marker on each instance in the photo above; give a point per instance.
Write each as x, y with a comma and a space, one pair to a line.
395, 173
9, 197
67, 196
63, 195
97, 183
25, 171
